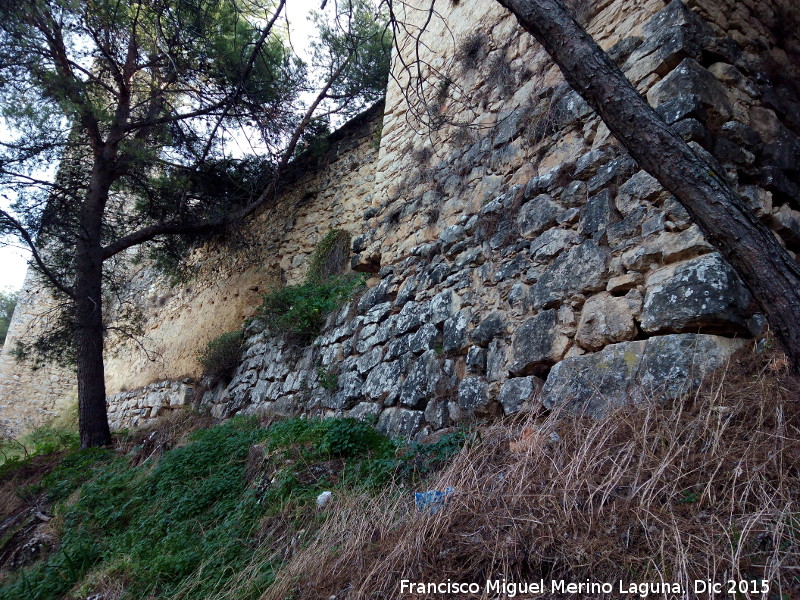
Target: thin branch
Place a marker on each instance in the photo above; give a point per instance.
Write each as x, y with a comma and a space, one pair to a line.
23, 233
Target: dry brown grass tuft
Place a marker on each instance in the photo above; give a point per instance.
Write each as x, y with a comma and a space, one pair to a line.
703, 489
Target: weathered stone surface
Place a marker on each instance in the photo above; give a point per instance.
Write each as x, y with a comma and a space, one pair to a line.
455, 331
492, 326
596, 214
451, 235
378, 313
537, 344
423, 339
350, 390
623, 283
639, 189
364, 411
400, 422
537, 215
443, 306
374, 296
412, 315
618, 169
476, 360
367, 361
604, 320
496, 360
473, 395
660, 367
700, 294
581, 269
691, 79
383, 382
422, 381
436, 414
517, 392
552, 242
672, 34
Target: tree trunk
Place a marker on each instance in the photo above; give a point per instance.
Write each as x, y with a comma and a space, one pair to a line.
92, 413
769, 272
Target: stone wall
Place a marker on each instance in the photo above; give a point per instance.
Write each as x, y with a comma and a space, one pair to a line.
517, 251
31, 394
229, 276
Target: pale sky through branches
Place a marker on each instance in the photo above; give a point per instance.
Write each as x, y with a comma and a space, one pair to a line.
14, 258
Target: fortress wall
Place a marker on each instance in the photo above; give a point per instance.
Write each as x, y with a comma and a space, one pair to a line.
519, 254
229, 277
30, 396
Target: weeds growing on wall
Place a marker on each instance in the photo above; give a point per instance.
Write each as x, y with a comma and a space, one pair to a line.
221, 355
300, 310
471, 50
329, 258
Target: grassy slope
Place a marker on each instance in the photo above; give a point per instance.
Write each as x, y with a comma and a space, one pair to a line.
705, 488
200, 515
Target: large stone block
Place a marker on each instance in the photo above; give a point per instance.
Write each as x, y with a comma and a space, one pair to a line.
492, 326
702, 294
422, 381
663, 367
537, 215
400, 422
690, 79
605, 320
383, 382
473, 395
583, 268
455, 331
537, 344
518, 391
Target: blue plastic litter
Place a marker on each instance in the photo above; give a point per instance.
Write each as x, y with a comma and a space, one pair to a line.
432, 500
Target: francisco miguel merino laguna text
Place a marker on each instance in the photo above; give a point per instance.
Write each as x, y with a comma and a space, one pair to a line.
508, 589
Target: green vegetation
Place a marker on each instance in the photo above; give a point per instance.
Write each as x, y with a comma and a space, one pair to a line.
328, 379
301, 310
330, 256
195, 522
221, 355
59, 436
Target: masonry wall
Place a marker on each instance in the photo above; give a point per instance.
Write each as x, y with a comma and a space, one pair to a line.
519, 255
29, 394
229, 275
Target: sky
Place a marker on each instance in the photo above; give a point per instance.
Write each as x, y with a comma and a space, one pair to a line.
14, 258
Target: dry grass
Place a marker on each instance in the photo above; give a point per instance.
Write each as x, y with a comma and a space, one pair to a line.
703, 489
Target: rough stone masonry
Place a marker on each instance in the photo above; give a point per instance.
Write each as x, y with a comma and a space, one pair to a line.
517, 254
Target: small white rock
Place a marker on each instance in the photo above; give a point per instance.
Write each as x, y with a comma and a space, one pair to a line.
323, 499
